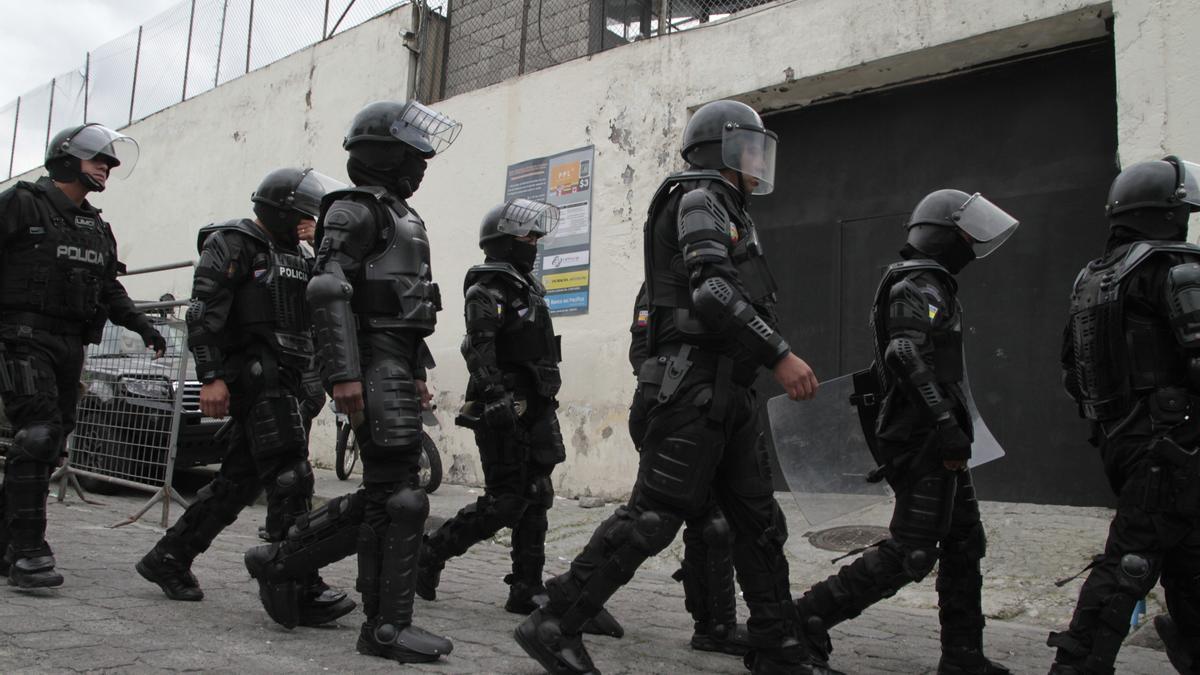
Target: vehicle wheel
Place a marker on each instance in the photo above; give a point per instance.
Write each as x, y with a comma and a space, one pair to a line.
430, 463
346, 452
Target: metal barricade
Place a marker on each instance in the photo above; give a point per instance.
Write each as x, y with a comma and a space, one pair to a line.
128, 419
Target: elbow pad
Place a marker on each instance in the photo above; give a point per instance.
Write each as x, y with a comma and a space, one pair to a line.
478, 350
207, 354
724, 311
905, 362
1183, 302
335, 326
703, 228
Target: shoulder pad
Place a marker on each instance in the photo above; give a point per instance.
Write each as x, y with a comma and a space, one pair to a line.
242, 225
706, 205
373, 191
898, 271
1142, 251
681, 177
500, 270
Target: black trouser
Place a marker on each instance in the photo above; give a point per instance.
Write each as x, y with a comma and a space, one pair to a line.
706, 570
517, 493
936, 520
268, 450
384, 519
1149, 538
42, 372
703, 445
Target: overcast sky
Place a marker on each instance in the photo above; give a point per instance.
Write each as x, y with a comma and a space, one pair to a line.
41, 39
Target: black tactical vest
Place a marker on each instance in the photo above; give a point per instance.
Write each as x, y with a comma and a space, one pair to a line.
1120, 357
667, 277
56, 265
272, 304
526, 338
946, 336
394, 288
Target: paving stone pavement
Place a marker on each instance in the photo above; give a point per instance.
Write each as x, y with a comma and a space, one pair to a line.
107, 619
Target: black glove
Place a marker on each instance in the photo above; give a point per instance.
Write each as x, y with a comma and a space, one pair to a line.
952, 441
500, 415
154, 340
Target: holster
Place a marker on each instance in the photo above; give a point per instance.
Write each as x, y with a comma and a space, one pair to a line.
470, 416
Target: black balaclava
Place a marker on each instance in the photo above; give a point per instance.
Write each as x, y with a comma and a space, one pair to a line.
943, 244
281, 223
521, 255
390, 165
1143, 224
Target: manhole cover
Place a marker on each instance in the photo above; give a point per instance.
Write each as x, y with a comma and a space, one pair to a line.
847, 537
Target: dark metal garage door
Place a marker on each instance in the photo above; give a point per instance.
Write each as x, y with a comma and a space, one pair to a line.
1038, 137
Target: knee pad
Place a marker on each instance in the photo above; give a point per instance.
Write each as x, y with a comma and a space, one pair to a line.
296, 481
38, 442
224, 491
716, 532
654, 530
918, 562
541, 492
408, 504
1137, 573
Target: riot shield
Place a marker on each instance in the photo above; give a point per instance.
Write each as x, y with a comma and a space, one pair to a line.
823, 453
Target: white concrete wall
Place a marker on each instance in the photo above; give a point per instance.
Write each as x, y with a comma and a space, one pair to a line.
203, 157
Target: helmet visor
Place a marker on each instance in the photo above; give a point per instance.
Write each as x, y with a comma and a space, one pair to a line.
751, 152
97, 139
1189, 188
311, 189
987, 224
425, 128
526, 217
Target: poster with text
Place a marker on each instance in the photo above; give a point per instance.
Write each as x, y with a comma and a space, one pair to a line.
564, 257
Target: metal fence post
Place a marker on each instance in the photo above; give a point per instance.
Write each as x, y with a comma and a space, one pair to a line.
325, 22
220, 44
524, 32
249, 35
50, 113
87, 82
187, 54
137, 57
13, 151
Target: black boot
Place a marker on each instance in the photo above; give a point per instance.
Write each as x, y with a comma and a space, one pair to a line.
790, 658
541, 637
733, 640
1181, 653
172, 575
35, 572
321, 604
524, 597
409, 644
968, 660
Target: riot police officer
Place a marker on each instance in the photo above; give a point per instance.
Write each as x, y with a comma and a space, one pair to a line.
710, 329
512, 356
250, 336
706, 570
1131, 360
923, 436
373, 302
58, 285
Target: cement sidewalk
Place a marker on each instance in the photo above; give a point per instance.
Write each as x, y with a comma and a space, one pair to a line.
107, 619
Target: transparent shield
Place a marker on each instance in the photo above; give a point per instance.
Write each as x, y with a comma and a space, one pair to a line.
96, 139
987, 224
751, 152
823, 453
525, 216
425, 127
312, 188
1189, 192
985, 448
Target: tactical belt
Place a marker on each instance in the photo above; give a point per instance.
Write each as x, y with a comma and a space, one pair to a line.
42, 322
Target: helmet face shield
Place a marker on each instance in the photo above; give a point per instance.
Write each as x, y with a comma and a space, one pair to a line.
523, 217
988, 225
425, 129
312, 188
1189, 184
750, 151
96, 139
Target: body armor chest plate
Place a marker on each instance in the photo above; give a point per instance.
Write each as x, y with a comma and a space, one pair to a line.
751, 263
526, 341
273, 303
56, 266
396, 288
1118, 356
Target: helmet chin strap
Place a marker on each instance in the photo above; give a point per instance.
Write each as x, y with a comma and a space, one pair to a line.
90, 183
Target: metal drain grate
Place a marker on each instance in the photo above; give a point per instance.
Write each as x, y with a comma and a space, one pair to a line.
847, 537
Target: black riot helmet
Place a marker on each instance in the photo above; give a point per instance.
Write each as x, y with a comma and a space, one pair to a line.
389, 143
1153, 199
287, 196
731, 135
954, 228
505, 223
89, 141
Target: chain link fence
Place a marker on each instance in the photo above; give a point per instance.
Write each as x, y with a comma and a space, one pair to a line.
469, 44
187, 50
